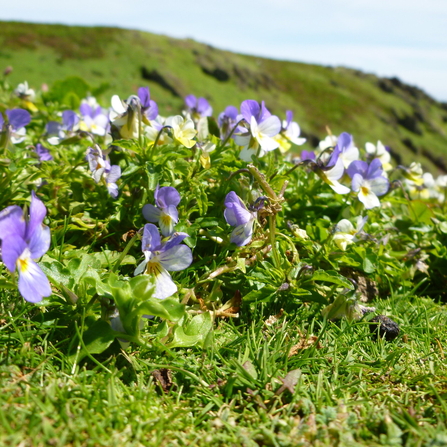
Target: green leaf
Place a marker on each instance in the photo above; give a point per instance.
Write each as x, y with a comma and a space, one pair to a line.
96, 338
368, 266
332, 277
420, 212
196, 331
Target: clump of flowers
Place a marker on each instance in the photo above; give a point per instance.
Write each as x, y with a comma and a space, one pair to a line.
25, 239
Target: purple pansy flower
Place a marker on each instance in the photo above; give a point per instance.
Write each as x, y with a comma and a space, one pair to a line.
111, 177
149, 108
93, 119
344, 150
161, 258
331, 173
60, 131
369, 181
237, 215
43, 153
198, 107
262, 127
308, 155
14, 127
24, 240
101, 169
227, 120
165, 212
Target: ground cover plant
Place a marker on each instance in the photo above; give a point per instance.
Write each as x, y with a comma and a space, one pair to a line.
210, 277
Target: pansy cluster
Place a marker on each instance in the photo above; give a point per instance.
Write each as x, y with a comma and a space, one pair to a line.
248, 133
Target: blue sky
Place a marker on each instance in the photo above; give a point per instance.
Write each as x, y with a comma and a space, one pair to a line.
403, 38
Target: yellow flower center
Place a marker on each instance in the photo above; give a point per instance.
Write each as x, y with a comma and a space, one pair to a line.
364, 190
166, 219
153, 268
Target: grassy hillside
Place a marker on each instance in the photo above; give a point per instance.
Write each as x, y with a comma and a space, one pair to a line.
371, 108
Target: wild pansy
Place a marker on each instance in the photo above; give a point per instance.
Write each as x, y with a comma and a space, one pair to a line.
237, 215
289, 134
27, 95
345, 149
227, 121
369, 181
93, 119
43, 153
257, 135
58, 131
182, 130
149, 108
165, 212
205, 149
381, 152
413, 173
198, 107
153, 132
13, 128
308, 155
345, 233
23, 241
24, 92
330, 173
204, 145
322, 149
125, 117
102, 170
161, 258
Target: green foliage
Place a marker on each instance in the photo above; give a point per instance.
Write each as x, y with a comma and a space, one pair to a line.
248, 334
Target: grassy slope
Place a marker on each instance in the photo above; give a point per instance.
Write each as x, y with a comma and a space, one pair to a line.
343, 99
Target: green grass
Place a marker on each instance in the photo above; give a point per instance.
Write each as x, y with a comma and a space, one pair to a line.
352, 390
341, 98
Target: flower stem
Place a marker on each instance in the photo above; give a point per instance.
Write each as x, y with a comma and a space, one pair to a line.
272, 218
125, 251
272, 231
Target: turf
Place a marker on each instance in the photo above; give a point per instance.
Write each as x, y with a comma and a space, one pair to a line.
351, 389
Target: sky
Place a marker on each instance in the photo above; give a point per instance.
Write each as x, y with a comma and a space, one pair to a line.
403, 38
